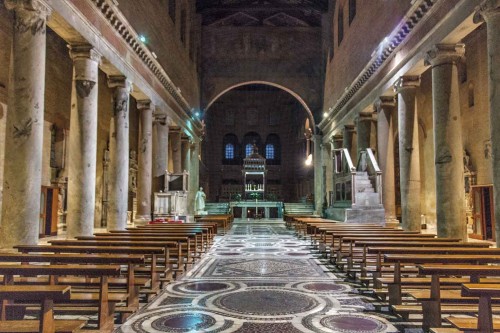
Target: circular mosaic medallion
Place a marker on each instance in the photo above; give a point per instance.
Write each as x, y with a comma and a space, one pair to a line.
266, 302
326, 286
354, 324
183, 322
206, 286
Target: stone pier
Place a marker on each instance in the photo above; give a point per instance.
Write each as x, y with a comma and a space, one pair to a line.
364, 126
348, 137
448, 146
176, 142
119, 153
409, 157
145, 161
319, 185
24, 128
194, 175
82, 141
385, 107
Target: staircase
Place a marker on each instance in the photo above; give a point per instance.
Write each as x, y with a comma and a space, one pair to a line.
217, 208
365, 193
301, 208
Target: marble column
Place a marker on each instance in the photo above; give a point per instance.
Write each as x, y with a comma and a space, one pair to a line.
194, 174
385, 107
175, 139
409, 159
364, 129
349, 132
489, 11
319, 185
185, 153
160, 144
448, 143
119, 153
82, 157
24, 127
145, 161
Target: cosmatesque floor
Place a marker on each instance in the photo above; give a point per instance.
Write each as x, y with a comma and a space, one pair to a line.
259, 278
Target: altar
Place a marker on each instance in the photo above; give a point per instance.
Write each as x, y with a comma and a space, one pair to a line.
251, 209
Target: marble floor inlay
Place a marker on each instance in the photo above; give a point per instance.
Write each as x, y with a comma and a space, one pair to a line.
259, 278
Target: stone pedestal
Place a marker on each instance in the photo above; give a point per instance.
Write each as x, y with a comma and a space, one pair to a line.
119, 154
448, 144
145, 162
490, 12
175, 139
25, 121
385, 107
364, 126
319, 185
409, 157
82, 141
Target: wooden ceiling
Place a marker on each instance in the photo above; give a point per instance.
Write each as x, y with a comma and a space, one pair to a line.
280, 13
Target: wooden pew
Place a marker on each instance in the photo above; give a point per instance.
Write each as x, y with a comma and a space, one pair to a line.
223, 220
431, 299
152, 252
105, 301
46, 296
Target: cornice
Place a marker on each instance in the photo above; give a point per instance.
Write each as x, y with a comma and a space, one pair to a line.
415, 15
120, 24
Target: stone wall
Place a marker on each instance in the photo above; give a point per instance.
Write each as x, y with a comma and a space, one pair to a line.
289, 57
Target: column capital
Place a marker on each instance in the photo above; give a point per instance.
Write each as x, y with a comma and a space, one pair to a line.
441, 54
145, 105
365, 116
160, 119
405, 82
349, 128
485, 10
384, 103
36, 8
84, 51
119, 81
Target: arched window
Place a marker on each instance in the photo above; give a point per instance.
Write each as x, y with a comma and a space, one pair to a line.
340, 25
171, 9
352, 10
229, 151
248, 149
269, 151
273, 149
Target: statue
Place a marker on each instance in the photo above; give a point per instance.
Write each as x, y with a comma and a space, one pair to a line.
199, 201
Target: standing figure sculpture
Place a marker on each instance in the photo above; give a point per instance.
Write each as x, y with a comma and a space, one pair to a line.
199, 201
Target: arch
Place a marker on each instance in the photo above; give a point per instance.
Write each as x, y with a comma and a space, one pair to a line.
291, 92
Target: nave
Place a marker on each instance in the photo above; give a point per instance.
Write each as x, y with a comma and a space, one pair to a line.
261, 277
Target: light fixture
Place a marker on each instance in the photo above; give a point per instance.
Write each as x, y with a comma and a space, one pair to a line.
197, 114
154, 55
309, 160
325, 114
142, 38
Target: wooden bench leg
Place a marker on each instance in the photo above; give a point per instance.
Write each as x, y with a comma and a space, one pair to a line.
485, 318
47, 324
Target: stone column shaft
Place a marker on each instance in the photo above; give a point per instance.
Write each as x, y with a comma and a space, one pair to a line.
448, 143
194, 175
82, 141
24, 127
145, 161
409, 158
349, 132
185, 153
364, 131
160, 144
385, 149
175, 138
119, 154
490, 12
319, 185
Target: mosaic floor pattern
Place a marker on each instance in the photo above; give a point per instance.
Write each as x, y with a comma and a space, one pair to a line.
259, 279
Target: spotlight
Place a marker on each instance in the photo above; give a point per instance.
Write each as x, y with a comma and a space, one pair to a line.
142, 38
309, 160
325, 114
197, 114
